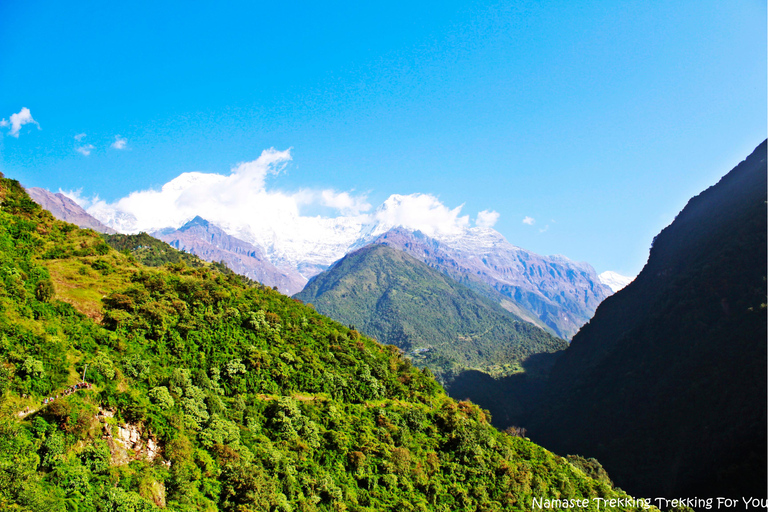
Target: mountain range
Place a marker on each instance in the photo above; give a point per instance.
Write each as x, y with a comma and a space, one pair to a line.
134, 388
665, 384
551, 292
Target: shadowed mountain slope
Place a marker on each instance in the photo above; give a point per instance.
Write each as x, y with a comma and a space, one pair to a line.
666, 385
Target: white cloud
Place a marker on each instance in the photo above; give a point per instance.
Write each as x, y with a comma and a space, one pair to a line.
243, 204
239, 198
120, 142
4, 123
18, 120
529, 220
77, 196
486, 219
346, 203
422, 212
79, 137
85, 150
544, 228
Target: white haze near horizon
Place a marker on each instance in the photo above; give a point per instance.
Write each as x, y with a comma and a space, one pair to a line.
243, 205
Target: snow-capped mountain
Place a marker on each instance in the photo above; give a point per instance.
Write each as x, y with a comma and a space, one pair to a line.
274, 224
614, 281
312, 244
551, 291
307, 244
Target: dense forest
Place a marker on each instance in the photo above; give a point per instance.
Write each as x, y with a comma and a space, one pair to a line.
206, 393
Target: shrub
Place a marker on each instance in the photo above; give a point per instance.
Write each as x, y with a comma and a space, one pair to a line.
162, 397
33, 368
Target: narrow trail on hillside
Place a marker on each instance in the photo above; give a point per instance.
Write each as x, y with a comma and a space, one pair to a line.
49, 400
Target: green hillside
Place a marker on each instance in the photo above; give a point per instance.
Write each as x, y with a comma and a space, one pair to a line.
440, 323
207, 394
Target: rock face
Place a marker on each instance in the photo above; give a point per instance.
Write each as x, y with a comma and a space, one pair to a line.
126, 443
211, 243
559, 293
63, 208
129, 437
666, 385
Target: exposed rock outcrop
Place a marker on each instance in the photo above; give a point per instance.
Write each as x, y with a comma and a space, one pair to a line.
128, 441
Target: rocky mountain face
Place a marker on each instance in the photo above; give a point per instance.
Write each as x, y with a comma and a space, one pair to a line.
211, 243
442, 324
666, 385
65, 209
555, 291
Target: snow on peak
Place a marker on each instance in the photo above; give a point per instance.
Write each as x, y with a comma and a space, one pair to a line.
476, 240
614, 281
244, 206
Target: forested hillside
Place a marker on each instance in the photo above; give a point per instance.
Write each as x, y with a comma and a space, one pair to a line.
206, 394
441, 324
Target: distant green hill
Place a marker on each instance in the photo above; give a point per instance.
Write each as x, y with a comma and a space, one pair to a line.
206, 394
438, 322
150, 251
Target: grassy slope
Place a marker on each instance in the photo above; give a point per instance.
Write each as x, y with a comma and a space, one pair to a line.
256, 401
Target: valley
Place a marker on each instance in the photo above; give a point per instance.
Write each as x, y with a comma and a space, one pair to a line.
249, 399
383, 256
482, 316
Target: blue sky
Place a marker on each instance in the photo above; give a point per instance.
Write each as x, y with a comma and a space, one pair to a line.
597, 119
